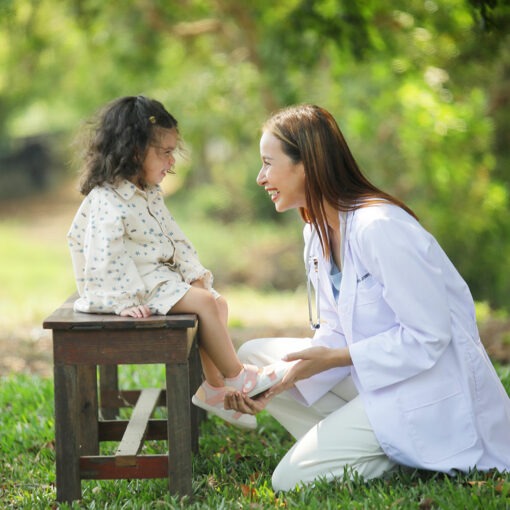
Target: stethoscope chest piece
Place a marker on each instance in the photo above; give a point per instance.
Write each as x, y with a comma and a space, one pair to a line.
313, 267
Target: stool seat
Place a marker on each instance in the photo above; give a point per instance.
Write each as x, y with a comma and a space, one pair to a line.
82, 343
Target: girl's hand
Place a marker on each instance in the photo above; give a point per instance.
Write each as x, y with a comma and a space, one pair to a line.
138, 312
198, 283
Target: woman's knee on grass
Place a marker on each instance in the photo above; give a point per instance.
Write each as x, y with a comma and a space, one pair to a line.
285, 477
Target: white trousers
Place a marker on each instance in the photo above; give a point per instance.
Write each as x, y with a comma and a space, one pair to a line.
333, 435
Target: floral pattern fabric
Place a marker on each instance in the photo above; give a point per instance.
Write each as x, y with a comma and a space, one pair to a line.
128, 250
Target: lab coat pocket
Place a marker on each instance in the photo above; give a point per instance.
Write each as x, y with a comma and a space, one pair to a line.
439, 421
368, 290
371, 313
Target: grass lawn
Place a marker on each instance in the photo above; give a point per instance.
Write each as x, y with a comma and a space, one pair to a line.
232, 471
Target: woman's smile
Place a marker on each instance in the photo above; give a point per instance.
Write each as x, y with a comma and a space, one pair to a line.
273, 194
282, 178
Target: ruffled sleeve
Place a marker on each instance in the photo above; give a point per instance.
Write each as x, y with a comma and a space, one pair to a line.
186, 258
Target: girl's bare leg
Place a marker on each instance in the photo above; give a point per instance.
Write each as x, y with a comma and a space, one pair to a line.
216, 346
212, 375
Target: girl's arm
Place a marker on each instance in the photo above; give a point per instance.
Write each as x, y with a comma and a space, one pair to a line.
186, 257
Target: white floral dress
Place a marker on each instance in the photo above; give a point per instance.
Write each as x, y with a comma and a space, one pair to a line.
128, 250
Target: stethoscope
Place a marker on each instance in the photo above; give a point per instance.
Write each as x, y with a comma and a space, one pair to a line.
312, 267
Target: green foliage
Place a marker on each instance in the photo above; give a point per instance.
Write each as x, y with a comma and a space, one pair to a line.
420, 89
232, 470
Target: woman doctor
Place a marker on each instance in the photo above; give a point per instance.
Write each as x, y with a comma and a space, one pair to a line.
395, 373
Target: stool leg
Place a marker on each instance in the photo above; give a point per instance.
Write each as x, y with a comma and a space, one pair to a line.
108, 383
87, 391
195, 380
67, 448
179, 434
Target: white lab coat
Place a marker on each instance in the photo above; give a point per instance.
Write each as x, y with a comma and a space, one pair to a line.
430, 391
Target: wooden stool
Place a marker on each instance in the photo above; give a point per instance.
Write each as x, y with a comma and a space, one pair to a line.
81, 343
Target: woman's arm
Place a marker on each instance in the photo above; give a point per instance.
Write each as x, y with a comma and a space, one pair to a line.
409, 267
311, 361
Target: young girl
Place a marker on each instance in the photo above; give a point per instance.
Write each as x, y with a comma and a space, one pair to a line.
130, 256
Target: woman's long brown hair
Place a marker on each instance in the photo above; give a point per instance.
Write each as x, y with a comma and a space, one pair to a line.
309, 134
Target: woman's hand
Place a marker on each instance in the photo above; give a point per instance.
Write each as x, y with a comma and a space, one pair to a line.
312, 361
244, 404
138, 312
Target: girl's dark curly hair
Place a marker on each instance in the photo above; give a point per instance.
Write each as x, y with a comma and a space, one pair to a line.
118, 140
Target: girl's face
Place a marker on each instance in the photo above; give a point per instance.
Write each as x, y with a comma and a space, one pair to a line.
283, 179
160, 158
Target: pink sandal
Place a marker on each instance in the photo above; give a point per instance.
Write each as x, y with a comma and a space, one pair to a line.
254, 380
211, 399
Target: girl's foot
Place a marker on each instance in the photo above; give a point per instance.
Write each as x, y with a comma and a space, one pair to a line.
253, 380
211, 399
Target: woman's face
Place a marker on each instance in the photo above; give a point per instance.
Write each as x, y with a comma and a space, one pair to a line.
283, 179
160, 158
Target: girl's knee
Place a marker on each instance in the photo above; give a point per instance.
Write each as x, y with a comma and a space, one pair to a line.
221, 302
203, 298
222, 305
196, 300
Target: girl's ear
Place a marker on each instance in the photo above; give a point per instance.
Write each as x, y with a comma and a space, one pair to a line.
138, 158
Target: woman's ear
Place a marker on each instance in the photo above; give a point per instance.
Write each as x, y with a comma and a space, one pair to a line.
300, 169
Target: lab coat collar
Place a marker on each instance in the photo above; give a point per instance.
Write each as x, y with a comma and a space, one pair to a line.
348, 284
325, 267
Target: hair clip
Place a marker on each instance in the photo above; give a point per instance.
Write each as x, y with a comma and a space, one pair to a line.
152, 119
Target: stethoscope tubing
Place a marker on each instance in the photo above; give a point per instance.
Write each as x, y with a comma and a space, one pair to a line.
312, 266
